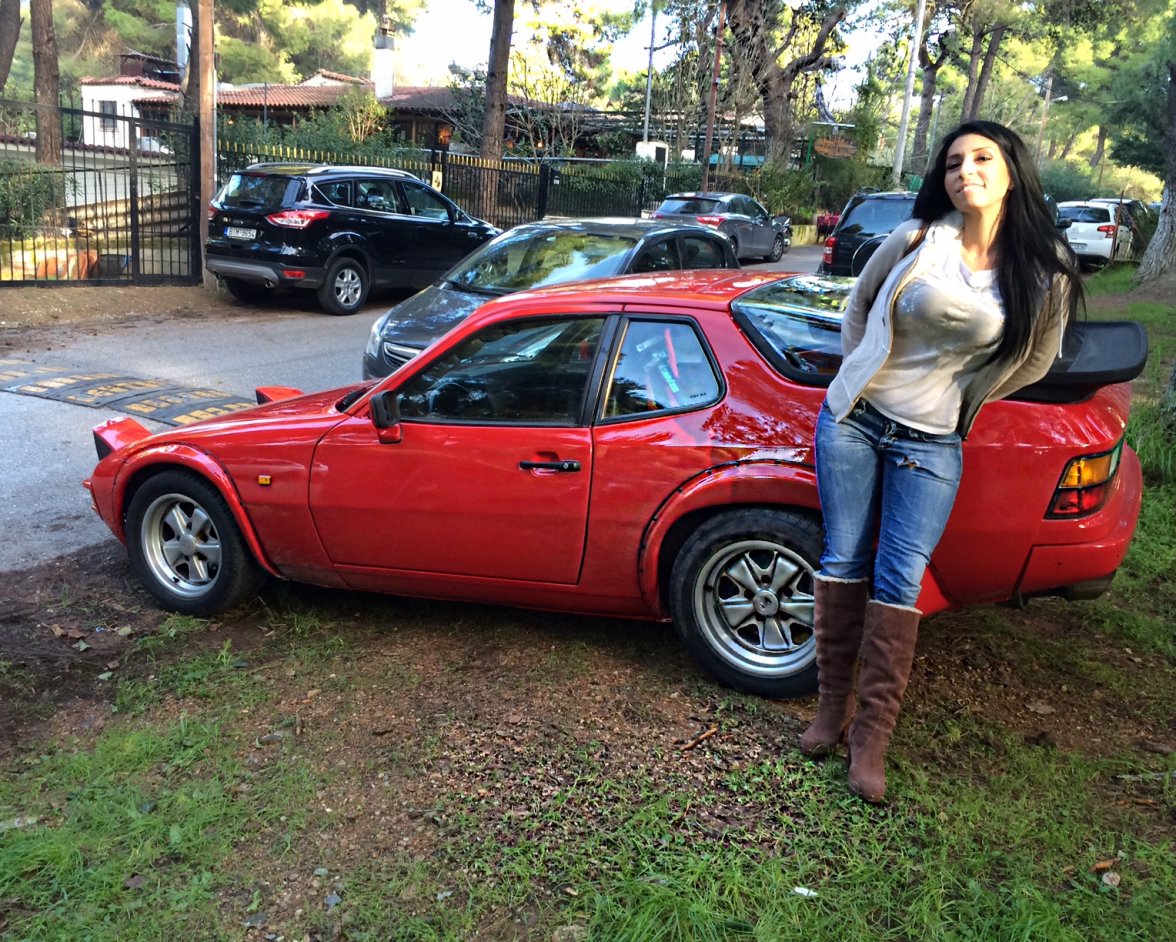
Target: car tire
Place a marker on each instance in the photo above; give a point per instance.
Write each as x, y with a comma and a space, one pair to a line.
248, 292
741, 597
778, 247
186, 548
345, 288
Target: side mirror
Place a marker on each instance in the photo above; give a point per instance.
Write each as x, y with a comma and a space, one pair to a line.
386, 417
1063, 224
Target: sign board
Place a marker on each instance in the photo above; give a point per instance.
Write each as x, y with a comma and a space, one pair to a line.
835, 147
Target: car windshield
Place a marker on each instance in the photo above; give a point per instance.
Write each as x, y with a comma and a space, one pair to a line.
689, 205
796, 323
877, 217
522, 260
254, 190
1085, 213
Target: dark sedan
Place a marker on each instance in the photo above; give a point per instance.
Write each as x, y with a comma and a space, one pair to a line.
534, 256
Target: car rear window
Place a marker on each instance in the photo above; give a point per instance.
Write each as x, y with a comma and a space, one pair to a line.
1085, 213
796, 324
690, 206
876, 217
524, 260
257, 190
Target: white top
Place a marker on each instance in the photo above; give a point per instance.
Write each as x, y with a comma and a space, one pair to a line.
947, 324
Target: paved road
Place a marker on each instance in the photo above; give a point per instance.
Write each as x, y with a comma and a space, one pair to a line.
47, 446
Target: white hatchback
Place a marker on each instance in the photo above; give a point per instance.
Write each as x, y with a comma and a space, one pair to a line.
1098, 232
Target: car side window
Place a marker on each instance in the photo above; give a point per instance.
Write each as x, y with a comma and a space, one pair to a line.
700, 252
526, 372
661, 256
755, 210
662, 366
379, 195
337, 192
422, 202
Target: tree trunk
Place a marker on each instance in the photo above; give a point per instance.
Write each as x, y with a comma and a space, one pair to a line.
973, 73
494, 120
754, 40
10, 23
921, 150
1160, 258
994, 41
1101, 146
46, 82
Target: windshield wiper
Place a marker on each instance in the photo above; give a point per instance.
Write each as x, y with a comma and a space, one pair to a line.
476, 289
350, 399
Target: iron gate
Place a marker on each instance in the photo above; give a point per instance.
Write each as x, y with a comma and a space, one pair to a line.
122, 211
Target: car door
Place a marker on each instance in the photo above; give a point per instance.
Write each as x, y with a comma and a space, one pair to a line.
761, 226
442, 234
386, 227
491, 475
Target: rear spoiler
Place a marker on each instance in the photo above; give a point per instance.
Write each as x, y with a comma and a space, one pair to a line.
1094, 354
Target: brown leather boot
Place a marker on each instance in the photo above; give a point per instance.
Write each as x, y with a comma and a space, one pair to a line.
888, 651
838, 614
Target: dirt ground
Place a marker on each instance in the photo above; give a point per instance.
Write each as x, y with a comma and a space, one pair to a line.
41, 307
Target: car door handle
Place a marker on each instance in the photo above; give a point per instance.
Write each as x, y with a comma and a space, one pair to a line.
550, 465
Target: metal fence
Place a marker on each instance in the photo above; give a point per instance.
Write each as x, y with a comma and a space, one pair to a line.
93, 213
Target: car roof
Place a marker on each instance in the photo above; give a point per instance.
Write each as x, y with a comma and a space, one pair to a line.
616, 225
886, 195
1101, 204
288, 169
707, 194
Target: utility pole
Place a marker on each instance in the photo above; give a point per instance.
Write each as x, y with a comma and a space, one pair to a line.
714, 96
900, 145
1044, 113
206, 112
649, 73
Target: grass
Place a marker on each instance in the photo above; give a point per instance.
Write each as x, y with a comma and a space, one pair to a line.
460, 773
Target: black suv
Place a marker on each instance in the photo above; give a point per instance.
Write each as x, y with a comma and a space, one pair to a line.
868, 218
339, 230
866, 221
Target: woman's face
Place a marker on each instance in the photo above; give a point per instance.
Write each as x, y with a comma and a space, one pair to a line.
977, 177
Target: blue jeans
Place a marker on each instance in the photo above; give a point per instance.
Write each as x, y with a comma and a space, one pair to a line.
878, 477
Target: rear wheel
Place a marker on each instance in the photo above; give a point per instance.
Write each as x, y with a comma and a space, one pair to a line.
249, 292
186, 548
741, 595
345, 288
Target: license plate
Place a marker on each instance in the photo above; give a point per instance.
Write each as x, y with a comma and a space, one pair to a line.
1077, 245
236, 232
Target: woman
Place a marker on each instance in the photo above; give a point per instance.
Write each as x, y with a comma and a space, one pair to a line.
963, 304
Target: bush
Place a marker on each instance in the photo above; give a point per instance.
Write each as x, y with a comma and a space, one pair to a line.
1066, 181
28, 191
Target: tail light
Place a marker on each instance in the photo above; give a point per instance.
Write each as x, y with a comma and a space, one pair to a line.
1084, 484
1108, 231
710, 220
297, 218
211, 212
830, 245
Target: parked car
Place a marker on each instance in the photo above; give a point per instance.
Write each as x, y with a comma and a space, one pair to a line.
336, 230
1099, 231
864, 224
753, 231
533, 256
639, 447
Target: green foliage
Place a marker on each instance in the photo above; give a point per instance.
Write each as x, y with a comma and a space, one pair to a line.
1064, 180
28, 191
783, 190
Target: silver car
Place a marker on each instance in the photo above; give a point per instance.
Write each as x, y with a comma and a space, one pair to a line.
753, 231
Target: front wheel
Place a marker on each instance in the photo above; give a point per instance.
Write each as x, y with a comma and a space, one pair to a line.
345, 288
186, 548
741, 596
778, 246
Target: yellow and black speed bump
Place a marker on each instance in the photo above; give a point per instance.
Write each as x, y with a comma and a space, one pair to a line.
146, 398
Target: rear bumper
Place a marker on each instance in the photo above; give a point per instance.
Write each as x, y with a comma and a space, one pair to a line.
265, 273
1083, 571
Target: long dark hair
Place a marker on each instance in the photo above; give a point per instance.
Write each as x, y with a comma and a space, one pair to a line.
1031, 249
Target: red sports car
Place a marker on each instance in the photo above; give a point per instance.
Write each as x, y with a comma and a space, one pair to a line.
640, 447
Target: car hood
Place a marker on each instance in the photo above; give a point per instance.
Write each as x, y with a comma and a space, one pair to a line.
421, 319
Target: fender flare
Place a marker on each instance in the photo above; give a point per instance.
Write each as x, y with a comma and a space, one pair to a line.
189, 458
770, 483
